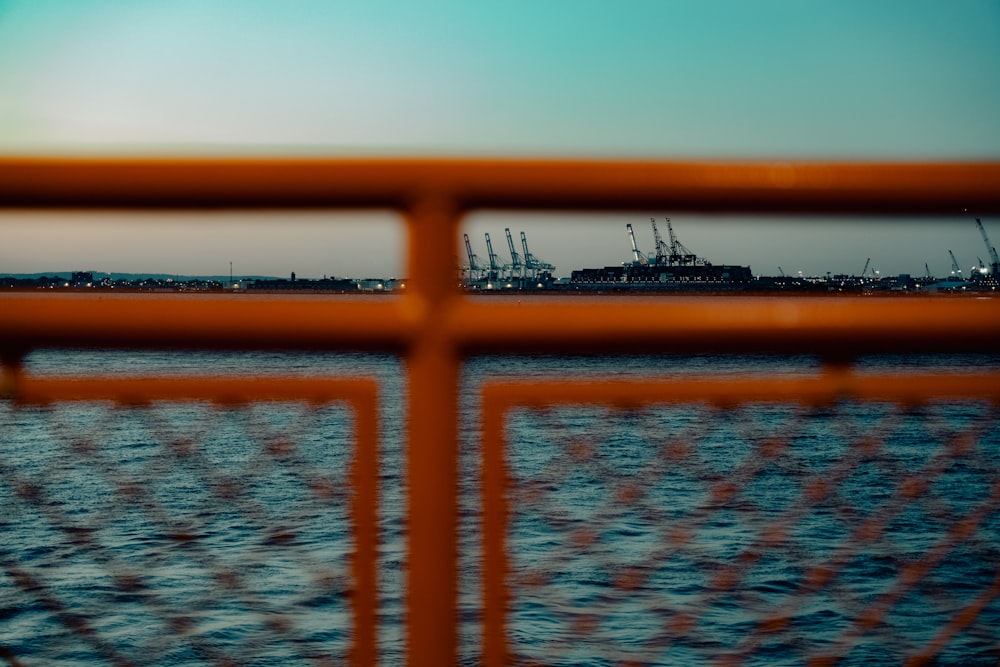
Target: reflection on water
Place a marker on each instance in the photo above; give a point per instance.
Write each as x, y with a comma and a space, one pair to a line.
182, 534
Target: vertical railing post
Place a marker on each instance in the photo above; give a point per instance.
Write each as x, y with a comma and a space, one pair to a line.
496, 564
432, 454
364, 510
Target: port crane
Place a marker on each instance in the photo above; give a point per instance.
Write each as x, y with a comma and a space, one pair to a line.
516, 263
679, 254
865, 270
674, 254
956, 270
994, 258
475, 270
639, 259
661, 247
494, 260
532, 263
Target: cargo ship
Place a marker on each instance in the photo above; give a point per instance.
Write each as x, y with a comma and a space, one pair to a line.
671, 268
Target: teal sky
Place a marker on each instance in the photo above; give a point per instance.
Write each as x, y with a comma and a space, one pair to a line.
662, 79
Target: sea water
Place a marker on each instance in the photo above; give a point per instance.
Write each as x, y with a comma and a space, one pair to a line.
184, 534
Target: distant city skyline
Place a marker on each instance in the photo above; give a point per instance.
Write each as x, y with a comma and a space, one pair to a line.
660, 79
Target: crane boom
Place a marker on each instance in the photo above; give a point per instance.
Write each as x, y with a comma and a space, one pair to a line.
529, 259
994, 258
865, 270
661, 247
639, 259
473, 260
532, 262
515, 259
955, 268
679, 254
674, 250
494, 260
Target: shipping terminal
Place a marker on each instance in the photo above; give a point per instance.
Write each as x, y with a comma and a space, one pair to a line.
672, 269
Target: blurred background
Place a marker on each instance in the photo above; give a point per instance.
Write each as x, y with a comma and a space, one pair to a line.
665, 79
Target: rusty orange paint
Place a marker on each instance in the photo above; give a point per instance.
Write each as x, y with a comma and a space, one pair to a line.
468, 184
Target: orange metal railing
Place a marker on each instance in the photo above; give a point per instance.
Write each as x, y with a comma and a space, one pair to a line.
434, 327
359, 394
504, 498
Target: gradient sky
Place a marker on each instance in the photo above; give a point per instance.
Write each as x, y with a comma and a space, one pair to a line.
663, 79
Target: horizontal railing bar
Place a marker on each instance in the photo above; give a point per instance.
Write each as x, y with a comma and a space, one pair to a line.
905, 388
243, 321
662, 324
231, 390
913, 188
728, 324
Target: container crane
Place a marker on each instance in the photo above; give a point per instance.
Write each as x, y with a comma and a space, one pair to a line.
516, 263
639, 259
678, 253
994, 258
661, 247
531, 262
494, 260
475, 270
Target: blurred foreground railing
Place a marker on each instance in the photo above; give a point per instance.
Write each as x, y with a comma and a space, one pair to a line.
434, 327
